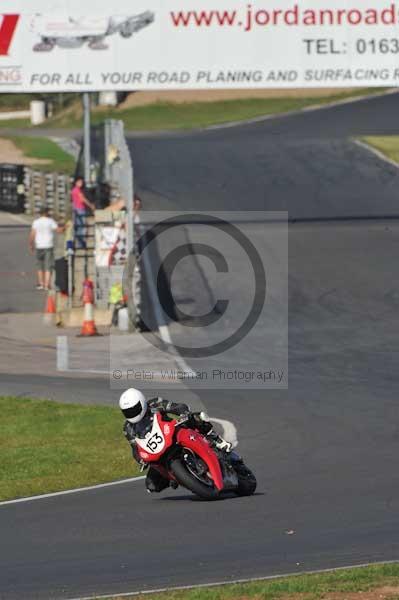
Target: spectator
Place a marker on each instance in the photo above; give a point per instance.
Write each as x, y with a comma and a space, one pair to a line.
80, 204
117, 205
120, 204
41, 238
137, 205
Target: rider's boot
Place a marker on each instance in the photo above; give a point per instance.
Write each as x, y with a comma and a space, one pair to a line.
238, 464
154, 482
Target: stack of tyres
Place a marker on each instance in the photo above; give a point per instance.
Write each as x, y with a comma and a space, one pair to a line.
63, 186
38, 191
50, 189
12, 190
49, 194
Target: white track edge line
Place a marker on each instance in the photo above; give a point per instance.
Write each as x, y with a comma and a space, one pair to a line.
234, 581
376, 152
73, 491
163, 329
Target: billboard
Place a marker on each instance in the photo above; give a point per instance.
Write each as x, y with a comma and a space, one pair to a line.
67, 45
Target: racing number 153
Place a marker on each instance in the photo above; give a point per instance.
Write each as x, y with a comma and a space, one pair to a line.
154, 441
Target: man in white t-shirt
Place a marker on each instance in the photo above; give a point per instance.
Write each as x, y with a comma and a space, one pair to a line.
42, 239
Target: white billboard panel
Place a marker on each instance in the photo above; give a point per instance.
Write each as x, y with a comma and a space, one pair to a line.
68, 45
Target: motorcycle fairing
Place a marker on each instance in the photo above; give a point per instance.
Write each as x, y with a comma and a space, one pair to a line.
188, 438
156, 441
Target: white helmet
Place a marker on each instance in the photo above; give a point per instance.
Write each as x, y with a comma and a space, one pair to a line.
133, 405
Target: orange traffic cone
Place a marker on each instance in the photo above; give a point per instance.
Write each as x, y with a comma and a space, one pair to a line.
89, 326
50, 309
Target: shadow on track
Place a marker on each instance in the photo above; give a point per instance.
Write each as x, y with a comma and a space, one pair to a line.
192, 498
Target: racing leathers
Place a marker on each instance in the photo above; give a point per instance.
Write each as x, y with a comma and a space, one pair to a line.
155, 482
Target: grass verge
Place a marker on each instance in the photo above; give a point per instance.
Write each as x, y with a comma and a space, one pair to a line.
43, 148
49, 447
321, 585
15, 124
388, 145
192, 115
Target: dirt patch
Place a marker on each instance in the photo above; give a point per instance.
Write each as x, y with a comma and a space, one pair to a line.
179, 97
9, 153
381, 593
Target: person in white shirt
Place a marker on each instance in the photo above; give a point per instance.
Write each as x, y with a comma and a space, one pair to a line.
41, 238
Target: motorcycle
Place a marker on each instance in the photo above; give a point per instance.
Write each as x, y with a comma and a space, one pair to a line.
185, 457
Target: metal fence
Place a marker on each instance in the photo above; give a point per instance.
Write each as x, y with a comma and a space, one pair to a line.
118, 169
119, 172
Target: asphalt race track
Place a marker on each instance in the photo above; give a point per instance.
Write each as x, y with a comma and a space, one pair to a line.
325, 451
305, 164
17, 292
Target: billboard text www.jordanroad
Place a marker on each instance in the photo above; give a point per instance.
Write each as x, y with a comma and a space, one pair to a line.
161, 45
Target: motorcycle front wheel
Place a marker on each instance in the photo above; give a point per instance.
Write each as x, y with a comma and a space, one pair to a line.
196, 482
246, 481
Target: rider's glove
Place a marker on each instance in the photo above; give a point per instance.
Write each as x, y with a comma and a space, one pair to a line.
204, 417
222, 444
219, 442
201, 416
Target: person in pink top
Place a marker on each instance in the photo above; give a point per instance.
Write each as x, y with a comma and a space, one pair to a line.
80, 204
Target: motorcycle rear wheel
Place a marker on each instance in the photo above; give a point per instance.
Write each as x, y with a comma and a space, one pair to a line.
187, 480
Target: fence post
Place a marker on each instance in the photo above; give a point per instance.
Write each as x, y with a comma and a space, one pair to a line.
107, 142
86, 135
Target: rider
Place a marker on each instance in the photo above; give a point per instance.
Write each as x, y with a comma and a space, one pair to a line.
139, 415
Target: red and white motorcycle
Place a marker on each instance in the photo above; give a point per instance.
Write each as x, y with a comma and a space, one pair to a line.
186, 457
